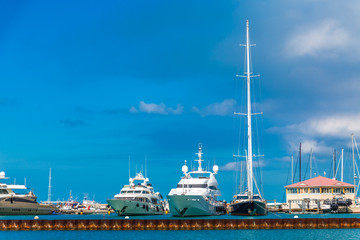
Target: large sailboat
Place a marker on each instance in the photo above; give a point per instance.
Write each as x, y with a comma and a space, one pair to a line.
248, 203
196, 193
137, 198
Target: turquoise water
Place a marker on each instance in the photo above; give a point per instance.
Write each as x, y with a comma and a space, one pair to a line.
193, 235
114, 216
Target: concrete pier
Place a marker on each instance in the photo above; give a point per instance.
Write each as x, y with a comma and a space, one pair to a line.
180, 224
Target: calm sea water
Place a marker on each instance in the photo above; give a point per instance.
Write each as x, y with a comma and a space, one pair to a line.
176, 235
114, 216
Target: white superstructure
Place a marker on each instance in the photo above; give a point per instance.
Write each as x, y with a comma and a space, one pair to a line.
196, 193
137, 198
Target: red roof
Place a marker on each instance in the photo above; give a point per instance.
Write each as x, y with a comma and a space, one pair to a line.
320, 181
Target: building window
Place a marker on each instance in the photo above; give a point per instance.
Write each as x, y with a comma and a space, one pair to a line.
306, 190
349, 190
292, 190
315, 190
326, 190
337, 190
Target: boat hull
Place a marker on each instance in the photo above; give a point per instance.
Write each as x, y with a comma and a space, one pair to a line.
25, 209
248, 208
193, 205
133, 208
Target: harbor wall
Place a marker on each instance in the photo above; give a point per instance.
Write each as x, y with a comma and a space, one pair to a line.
180, 224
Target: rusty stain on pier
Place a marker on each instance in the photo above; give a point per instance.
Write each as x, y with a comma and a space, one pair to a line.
180, 224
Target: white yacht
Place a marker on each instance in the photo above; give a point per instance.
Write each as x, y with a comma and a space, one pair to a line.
196, 193
137, 198
12, 203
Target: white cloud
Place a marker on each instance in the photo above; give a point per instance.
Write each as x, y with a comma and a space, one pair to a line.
157, 108
236, 166
319, 134
178, 110
226, 107
309, 144
340, 126
326, 37
133, 110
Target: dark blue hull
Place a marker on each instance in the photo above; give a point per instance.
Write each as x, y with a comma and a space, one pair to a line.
248, 208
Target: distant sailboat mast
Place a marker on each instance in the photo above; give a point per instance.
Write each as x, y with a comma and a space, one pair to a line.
49, 188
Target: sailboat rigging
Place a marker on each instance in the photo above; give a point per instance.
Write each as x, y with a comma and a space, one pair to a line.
248, 203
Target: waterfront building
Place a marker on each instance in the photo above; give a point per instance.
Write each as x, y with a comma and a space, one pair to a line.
319, 188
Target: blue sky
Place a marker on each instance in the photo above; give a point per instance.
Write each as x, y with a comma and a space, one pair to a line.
86, 84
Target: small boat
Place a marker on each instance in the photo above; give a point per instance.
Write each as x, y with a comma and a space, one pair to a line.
12, 203
196, 193
248, 203
137, 198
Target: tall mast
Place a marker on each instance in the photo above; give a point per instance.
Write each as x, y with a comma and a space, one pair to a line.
334, 164
49, 189
300, 163
353, 154
249, 149
342, 165
311, 163
292, 169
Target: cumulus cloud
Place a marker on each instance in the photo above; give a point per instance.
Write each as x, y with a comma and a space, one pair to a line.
153, 108
320, 133
339, 126
326, 37
236, 166
226, 107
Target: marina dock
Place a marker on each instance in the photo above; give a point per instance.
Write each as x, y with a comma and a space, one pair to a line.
180, 224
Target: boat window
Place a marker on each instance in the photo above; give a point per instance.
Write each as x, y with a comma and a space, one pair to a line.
122, 192
256, 197
212, 187
3, 191
242, 197
130, 192
192, 186
137, 192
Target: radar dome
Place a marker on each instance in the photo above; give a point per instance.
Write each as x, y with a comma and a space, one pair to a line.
215, 168
184, 169
2, 175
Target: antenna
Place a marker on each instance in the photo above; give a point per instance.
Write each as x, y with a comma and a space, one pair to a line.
25, 182
129, 168
199, 156
49, 189
145, 165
